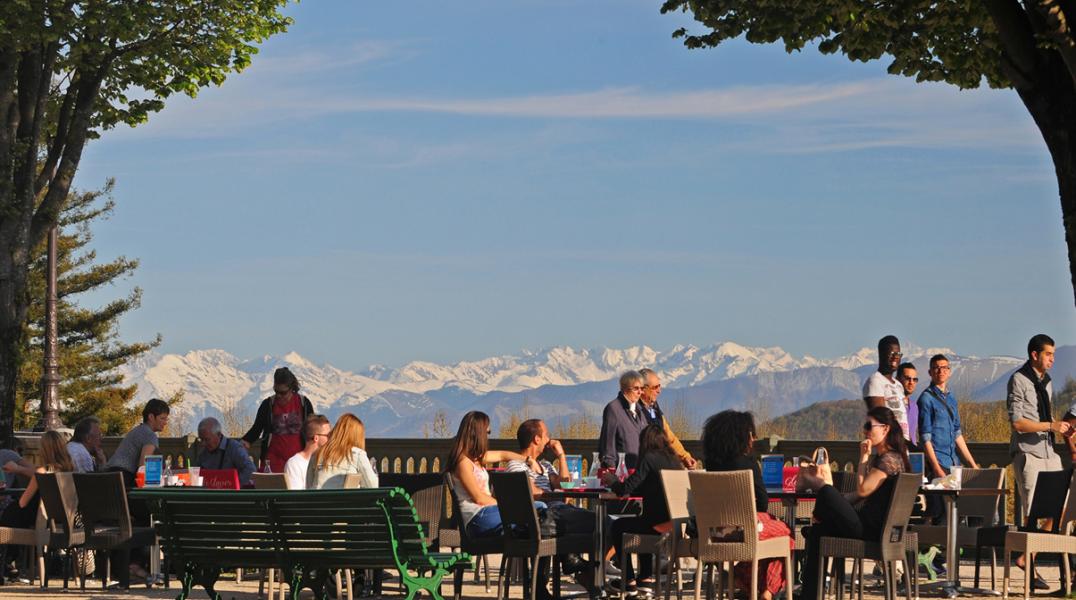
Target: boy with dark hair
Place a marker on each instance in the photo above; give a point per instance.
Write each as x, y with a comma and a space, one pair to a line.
140, 442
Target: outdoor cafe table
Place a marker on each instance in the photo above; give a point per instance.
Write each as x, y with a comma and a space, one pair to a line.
951, 586
598, 498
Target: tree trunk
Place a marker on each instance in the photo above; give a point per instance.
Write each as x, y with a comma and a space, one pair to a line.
1051, 100
14, 255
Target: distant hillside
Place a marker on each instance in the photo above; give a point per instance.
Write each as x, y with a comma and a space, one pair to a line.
834, 420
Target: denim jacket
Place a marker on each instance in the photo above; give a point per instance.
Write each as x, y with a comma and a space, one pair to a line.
939, 424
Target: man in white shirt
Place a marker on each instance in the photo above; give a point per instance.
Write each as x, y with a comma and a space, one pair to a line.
316, 431
882, 387
85, 446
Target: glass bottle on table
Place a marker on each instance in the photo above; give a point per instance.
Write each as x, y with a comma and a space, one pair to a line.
622, 467
595, 466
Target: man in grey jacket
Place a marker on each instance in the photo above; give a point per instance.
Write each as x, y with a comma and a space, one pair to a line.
1029, 402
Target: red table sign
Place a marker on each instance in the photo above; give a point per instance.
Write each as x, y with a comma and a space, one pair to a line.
220, 479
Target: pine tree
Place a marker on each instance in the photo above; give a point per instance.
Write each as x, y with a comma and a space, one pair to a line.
89, 350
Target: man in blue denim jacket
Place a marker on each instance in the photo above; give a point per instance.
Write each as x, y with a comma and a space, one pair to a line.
939, 423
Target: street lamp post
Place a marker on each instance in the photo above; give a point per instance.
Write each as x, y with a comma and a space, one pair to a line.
50, 374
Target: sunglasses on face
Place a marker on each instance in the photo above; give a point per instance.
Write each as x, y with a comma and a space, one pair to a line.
868, 425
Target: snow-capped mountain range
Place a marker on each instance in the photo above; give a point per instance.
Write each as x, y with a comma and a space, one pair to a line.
558, 382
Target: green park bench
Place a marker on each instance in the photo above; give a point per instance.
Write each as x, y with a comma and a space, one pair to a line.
305, 533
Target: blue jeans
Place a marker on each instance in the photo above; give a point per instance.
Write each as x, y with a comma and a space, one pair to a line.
487, 522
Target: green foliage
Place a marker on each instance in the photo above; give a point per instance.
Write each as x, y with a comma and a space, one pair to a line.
953, 41
143, 52
89, 348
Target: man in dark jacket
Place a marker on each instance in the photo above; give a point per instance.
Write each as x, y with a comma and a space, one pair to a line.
622, 422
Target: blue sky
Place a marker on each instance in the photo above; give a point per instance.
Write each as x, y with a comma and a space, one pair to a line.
447, 182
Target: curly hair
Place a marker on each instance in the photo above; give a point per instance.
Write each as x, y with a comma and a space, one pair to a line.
727, 435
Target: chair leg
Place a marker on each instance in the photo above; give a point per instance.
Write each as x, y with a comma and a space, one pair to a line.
907, 578
556, 575
1005, 575
978, 557
339, 589
40, 552
993, 568
503, 579
534, 578
699, 571
1065, 574
753, 592
788, 576
730, 580
657, 574
485, 565
1029, 572
821, 587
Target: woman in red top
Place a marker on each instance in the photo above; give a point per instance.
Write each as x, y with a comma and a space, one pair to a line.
279, 422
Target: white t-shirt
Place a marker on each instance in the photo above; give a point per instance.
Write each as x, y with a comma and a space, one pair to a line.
878, 385
295, 471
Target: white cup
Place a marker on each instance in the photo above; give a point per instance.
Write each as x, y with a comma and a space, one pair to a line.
196, 478
957, 473
171, 480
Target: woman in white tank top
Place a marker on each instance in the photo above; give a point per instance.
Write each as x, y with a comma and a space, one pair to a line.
468, 477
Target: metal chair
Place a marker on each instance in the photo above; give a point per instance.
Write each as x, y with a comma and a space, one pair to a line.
477, 547
60, 500
891, 547
106, 518
522, 536
735, 514
1059, 540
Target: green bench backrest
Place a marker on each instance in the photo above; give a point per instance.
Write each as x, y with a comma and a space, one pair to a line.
308, 527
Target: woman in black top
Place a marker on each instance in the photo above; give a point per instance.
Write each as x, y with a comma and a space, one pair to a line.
727, 440
655, 454
882, 454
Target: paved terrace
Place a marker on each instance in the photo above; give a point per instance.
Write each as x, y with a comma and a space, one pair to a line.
248, 589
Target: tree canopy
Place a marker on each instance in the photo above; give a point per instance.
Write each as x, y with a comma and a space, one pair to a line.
72, 69
1026, 45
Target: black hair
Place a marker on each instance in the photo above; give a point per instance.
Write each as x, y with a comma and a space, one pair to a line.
83, 428
895, 438
652, 439
726, 436
155, 407
886, 342
906, 365
1038, 342
528, 430
283, 375
934, 359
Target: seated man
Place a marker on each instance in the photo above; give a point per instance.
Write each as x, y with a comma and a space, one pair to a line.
219, 452
85, 446
533, 438
140, 442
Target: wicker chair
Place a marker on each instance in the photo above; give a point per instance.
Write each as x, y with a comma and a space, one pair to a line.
102, 501
889, 549
735, 510
523, 536
1030, 543
60, 500
33, 538
269, 481
677, 487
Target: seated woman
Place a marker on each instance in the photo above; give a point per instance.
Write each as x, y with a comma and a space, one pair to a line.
54, 456
727, 441
344, 454
882, 454
655, 454
467, 475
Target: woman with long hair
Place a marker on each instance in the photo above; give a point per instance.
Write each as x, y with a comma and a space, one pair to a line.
54, 459
728, 440
344, 454
882, 455
467, 475
655, 454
